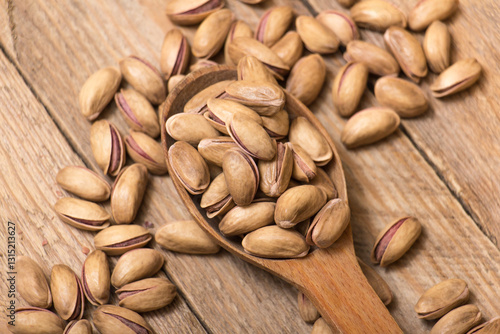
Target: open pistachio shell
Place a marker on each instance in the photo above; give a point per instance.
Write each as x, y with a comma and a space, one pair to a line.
277, 125
32, 284
82, 214
136, 264
377, 15
303, 133
118, 239
459, 76
147, 295
340, 23
329, 223
191, 128
275, 174
491, 326
348, 87
323, 182
198, 103
458, 321
34, 320
377, 60
145, 78
304, 168
84, 183
216, 199
110, 319
245, 219
186, 237
252, 69
196, 178
213, 149
242, 176
147, 151
191, 12
264, 98
138, 113
67, 292
107, 147
289, 48
273, 24
298, 204
174, 56
442, 298
78, 327
96, 278
98, 91
220, 111
307, 311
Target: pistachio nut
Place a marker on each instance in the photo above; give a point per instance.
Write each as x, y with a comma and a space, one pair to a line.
174, 55
289, 48
147, 295
377, 15
251, 69
186, 237
316, 37
198, 103
144, 77
202, 63
211, 34
437, 44
67, 292
238, 29
216, 199
427, 11
135, 265
32, 284
107, 147
263, 97
323, 182
347, 3
307, 311
247, 46
304, 168
78, 327
191, 12
306, 78
321, 327
172, 82
84, 183
138, 113
303, 227
341, 24
395, 240
273, 24
145, 150
369, 126
110, 319
377, 283
348, 87
98, 91
242, 176
220, 111
82, 214
275, 174
404, 97
128, 192
244, 219
377, 60
96, 278
195, 178
489, 327
329, 223
458, 321
303, 133
213, 149
191, 128
276, 125
297, 204
456, 78
118, 239
34, 320
214, 170
442, 298
275, 242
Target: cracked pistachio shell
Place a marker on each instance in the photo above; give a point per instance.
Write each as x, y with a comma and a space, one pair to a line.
137, 112
369, 126
321, 327
110, 319
277, 125
275, 242
348, 87
303, 133
174, 55
427, 11
96, 278
220, 111
198, 103
238, 29
251, 137
135, 265
242, 176
307, 311
34, 320
275, 174
67, 292
128, 192
82, 214
247, 46
191, 128
377, 15
186, 237
145, 78
437, 44
244, 219
213, 149
298, 204
458, 321
190, 12
323, 182
84, 183
216, 199
407, 51
377, 60
264, 98
189, 166
273, 24
341, 24
98, 91
289, 48
456, 78
147, 295
173, 81
395, 240
211, 34
304, 168
404, 97
490, 327
32, 284
147, 151
79, 327
118, 239
251, 69
107, 147
329, 224
316, 37
307, 78
442, 298
378, 284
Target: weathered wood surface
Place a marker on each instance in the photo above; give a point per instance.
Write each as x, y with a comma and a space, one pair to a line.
57, 46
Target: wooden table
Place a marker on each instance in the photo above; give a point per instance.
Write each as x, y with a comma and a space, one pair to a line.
441, 167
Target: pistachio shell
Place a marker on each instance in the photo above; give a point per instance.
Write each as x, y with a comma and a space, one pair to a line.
273, 24
442, 298
174, 56
427, 11
128, 192
84, 183
298, 204
212, 33
82, 214
264, 98
275, 174
110, 319
289, 48
306, 78
437, 44
329, 223
341, 24
96, 278
107, 147
174, 80
456, 78
242, 176
195, 178
216, 199
244, 219
186, 237
118, 239
138, 113
191, 128
67, 292
404, 97
458, 321
323, 182
348, 87
322, 327
274, 242
32, 284
277, 125
198, 103
307, 311
377, 60
98, 91
191, 12
304, 168
347, 3
34, 320
303, 133
378, 284
147, 295
213, 149
238, 29
220, 111
251, 69
202, 63
147, 151
135, 265
145, 78
78, 327
490, 327
377, 15
316, 37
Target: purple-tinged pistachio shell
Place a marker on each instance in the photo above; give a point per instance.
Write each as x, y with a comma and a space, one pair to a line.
175, 54
110, 319
67, 292
184, 12
196, 178
82, 214
242, 176
145, 78
138, 113
107, 147
273, 24
147, 151
96, 278
118, 239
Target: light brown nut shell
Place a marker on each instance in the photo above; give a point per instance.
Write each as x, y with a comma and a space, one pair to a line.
191, 128
145, 78
198, 103
238, 29
98, 91
216, 199
458, 321
145, 150
289, 48
196, 178
329, 223
84, 183
442, 298
212, 33
273, 24
186, 237
191, 12
275, 174
436, 45
263, 97
456, 78
340, 23
304, 168
78, 327
107, 147
348, 87
34, 320
404, 97
427, 11
242, 176
252, 69
303, 133
307, 311
82, 214
135, 265
298, 204
67, 292
277, 125
138, 113
110, 319
323, 182
174, 55
213, 149
378, 284
147, 295
322, 327
316, 37
32, 284
96, 278
307, 78
118, 239
491, 326
377, 15
377, 60
244, 219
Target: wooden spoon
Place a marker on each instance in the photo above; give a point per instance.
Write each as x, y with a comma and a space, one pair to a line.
330, 278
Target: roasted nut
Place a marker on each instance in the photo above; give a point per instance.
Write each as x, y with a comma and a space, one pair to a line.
198, 103
316, 37
456, 78
276, 125
220, 111
195, 178
348, 87
251, 69
273, 24
307, 311
242, 176
264, 98
303, 133
212, 33
34, 320
135, 265
289, 48
118, 239
306, 78
174, 56
458, 321
32, 284
244, 219
213, 149
138, 113
238, 29
329, 223
275, 242
147, 295
378, 284
186, 237
84, 183
377, 15
67, 292
442, 298
96, 278
216, 199
437, 44
78, 327
323, 182
427, 11
145, 78
489, 327
107, 147
341, 24
98, 91
172, 82
298, 204
304, 168
128, 192
147, 151
191, 128
322, 327
377, 60
82, 214
275, 174
110, 319
193, 11
202, 63
404, 97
